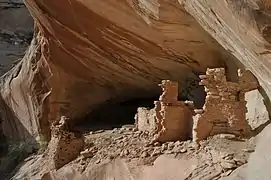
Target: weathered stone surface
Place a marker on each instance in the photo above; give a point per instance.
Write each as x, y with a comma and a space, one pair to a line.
16, 27
145, 120
173, 118
86, 51
257, 113
259, 161
237, 26
225, 109
64, 146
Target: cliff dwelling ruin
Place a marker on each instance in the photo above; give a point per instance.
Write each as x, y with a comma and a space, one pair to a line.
82, 95
171, 119
224, 111
168, 118
113, 114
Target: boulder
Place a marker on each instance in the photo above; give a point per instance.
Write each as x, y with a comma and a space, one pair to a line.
259, 161
257, 113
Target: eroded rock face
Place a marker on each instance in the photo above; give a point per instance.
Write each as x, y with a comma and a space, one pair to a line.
16, 30
241, 27
85, 56
257, 113
87, 51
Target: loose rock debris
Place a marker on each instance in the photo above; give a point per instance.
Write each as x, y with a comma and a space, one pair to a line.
172, 128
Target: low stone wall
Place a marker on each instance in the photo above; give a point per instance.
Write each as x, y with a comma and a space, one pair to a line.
172, 119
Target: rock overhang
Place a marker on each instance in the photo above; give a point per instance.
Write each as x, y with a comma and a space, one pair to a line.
90, 52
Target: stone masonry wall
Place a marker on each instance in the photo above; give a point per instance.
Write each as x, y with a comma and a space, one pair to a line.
225, 106
64, 145
173, 118
145, 120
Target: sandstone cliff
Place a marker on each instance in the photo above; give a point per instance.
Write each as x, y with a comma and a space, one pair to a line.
87, 53
242, 28
82, 56
105, 53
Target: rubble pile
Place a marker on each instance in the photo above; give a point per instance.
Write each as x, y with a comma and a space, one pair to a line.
216, 156
172, 127
124, 142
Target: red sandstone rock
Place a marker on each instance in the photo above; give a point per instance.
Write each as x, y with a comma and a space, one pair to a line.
85, 50
83, 55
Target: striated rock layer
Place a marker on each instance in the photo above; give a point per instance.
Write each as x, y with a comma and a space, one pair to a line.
242, 28
87, 52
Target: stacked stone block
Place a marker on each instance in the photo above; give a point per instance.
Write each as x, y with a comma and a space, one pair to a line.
224, 110
64, 146
173, 118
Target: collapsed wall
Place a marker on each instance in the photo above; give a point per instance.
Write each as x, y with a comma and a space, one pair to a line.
145, 120
170, 119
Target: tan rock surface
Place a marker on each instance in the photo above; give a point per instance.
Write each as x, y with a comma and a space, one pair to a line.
175, 160
116, 55
238, 26
88, 51
257, 113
